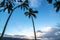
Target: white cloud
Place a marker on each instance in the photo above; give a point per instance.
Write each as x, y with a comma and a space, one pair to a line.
38, 34
28, 32
54, 34
46, 29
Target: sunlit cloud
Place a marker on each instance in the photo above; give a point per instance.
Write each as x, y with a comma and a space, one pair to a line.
41, 33
46, 29
54, 34
28, 32
51, 34
38, 34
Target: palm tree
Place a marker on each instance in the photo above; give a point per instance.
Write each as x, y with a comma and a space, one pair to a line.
32, 14
56, 4
9, 6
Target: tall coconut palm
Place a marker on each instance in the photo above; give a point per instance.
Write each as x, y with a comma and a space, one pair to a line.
8, 5
32, 14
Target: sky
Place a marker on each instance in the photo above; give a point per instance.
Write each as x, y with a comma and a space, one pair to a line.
19, 24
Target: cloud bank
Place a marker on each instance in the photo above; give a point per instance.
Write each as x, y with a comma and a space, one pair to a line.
54, 34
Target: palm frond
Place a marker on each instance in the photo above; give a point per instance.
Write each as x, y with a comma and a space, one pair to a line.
26, 1
57, 9
31, 12
11, 6
35, 11
20, 1
24, 5
4, 9
27, 8
30, 9
57, 6
34, 15
2, 4
49, 1
1, 10
26, 13
14, 0
29, 15
8, 10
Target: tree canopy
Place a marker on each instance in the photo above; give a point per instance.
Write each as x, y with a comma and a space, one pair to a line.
56, 4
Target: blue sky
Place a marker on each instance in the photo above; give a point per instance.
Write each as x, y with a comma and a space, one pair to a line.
19, 24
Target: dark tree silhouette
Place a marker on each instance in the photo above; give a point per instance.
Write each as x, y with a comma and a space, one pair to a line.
49, 1
24, 5
20, 1
9, 5
56, 4
32, 14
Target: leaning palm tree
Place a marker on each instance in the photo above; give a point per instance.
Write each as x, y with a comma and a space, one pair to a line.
32, 14
8, 5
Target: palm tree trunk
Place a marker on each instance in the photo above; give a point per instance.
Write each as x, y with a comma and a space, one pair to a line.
34, 29
7, 23
5, 26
